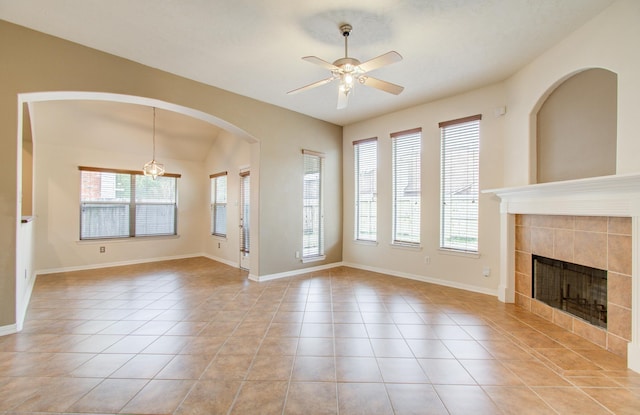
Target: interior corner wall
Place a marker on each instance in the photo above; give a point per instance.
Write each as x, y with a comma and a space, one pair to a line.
444, 267
230, 154
608, 41
35, 62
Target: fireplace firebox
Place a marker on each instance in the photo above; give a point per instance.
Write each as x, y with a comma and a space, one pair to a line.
575, 289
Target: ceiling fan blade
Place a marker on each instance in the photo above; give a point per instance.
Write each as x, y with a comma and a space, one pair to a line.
383, 85
313, 85
343, 99
320, 62
382, 60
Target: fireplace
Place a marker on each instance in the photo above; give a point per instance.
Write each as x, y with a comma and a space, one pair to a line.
593, 222
575, 289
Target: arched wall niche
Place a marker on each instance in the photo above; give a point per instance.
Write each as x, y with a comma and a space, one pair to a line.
576, 127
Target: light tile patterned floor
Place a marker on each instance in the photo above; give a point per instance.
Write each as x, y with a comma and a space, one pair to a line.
196, 337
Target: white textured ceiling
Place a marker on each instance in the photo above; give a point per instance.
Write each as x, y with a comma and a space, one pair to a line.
253, 47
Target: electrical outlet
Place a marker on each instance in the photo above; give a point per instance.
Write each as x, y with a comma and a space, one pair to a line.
427, 260
103, 249
486, 271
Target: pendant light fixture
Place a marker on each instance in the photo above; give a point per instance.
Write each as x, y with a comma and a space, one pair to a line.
153, 168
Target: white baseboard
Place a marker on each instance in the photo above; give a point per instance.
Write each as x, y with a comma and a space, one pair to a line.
222, 260
10, 329
437, 281
21, 314
269, 277
114, 264
633, 357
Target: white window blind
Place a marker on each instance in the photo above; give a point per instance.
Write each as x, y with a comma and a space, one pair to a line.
219, 204
313, 221
124, 204
460, 155
406, 164
366, 168
245, 241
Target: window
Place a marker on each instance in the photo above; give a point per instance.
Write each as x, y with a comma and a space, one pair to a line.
219, 204
125, 204
313, 221
245, 199
405, 147
366, 167
460, 153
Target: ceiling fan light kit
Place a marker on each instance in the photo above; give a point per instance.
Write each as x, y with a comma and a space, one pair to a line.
349, 70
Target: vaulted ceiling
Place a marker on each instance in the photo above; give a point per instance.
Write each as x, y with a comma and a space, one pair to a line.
254, 48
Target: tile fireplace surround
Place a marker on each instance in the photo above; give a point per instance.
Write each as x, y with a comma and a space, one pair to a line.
594, 241
566, 220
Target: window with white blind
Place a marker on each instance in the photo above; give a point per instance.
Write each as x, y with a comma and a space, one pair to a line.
313, 221
459, 189
365, 154
126, 204
406, 164
219, 204
245, 193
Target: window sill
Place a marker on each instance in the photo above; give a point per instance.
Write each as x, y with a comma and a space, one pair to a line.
406, 247
219, 237
455, 252
365, 243
314, 259
126, 239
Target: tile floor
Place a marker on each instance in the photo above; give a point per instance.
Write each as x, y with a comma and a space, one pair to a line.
196, 337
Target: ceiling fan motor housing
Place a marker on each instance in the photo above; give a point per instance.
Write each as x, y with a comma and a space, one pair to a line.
345, 29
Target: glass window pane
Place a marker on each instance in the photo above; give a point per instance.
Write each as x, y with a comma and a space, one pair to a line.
459, 190
406, 188
312, 236
155, 220
104, 220
366, 163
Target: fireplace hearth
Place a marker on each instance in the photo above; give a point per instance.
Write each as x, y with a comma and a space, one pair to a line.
576, 289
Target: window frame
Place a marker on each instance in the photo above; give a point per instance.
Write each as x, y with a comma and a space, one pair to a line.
132, 204
360, 170
470, 139
414, 240
317, 253
213, 187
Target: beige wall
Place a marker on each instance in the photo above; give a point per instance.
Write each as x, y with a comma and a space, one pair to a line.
576, 128
463, 271
34, 62
57, 225
608, 41
229, 154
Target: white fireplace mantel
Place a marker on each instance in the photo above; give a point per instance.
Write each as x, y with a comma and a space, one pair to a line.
616, 195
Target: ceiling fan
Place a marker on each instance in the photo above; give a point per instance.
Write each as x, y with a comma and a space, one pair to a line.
349, 70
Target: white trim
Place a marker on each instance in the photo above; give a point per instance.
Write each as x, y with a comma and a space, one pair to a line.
293, 273
114, 264
27, 298
364, 242
315, 258
422, 278
405, 246
633, 347
234, 264
9, 329
459, 252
